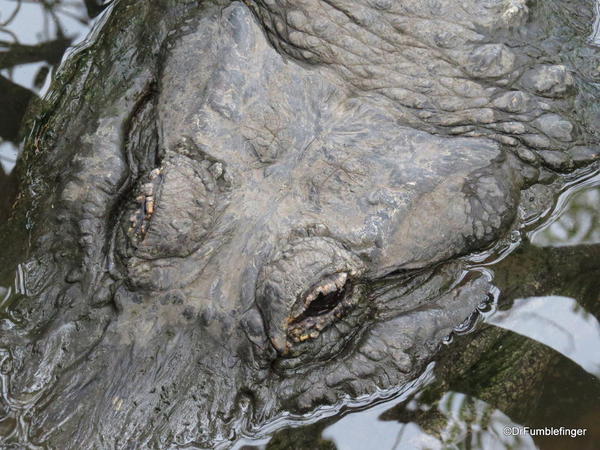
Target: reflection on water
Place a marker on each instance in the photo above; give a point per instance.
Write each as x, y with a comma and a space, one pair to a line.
7, 193
34, 35
558, 322
580, 224
457, 418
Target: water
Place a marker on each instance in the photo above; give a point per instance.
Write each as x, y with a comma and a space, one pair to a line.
47, 30
538, 358
35, 23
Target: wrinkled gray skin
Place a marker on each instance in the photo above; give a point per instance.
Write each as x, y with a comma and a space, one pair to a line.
202, 171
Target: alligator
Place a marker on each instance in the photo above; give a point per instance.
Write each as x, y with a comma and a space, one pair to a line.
236, 212
492, 370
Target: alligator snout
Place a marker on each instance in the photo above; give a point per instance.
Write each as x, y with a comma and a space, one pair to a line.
269, 208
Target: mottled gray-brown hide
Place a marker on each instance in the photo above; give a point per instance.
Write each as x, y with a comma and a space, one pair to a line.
250, 209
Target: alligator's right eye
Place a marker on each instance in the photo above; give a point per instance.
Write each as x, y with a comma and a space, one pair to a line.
320, 306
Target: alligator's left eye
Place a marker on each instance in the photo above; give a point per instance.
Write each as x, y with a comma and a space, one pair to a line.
320, 306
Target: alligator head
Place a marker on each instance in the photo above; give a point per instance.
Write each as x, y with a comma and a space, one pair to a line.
243, 210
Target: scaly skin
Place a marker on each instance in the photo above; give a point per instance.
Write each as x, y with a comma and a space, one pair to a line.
511, 373
239, 210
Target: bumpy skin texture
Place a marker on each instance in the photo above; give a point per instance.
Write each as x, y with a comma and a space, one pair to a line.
246, 209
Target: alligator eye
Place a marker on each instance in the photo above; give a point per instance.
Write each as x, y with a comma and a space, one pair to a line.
320, 306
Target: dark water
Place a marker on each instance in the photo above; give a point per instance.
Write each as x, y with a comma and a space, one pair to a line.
34, 37
532, 360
